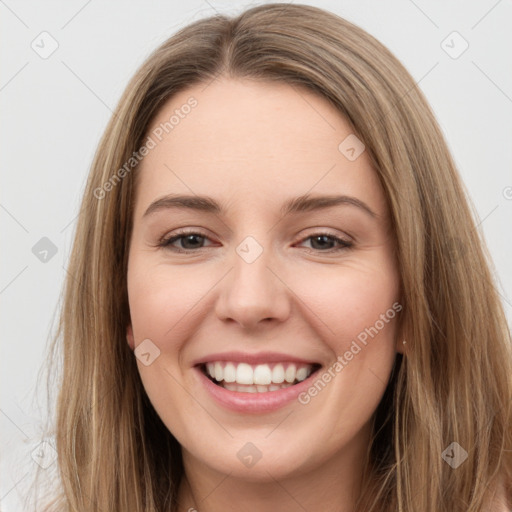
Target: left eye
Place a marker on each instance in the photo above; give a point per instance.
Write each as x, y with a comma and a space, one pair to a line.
183, 237
189, 242
322, 237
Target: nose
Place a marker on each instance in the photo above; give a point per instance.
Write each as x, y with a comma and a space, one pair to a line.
253, 293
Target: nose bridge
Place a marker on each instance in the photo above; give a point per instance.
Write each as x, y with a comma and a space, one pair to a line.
252, 292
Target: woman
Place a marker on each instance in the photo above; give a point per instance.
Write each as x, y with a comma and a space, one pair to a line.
260, 368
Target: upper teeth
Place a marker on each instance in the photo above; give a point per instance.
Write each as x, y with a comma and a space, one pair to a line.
263, 374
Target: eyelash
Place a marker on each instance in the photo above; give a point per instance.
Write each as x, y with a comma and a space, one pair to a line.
166, 242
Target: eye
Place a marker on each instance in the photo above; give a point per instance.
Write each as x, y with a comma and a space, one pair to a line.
321, 239
188, 239
192, 240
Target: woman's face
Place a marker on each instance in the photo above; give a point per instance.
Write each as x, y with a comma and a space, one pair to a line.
262, 293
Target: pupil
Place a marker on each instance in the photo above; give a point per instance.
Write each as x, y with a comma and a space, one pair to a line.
320, 237
187, 239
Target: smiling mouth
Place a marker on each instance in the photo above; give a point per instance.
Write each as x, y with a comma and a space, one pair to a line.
261, 378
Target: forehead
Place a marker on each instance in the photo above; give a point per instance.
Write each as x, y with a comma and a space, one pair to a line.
257, 140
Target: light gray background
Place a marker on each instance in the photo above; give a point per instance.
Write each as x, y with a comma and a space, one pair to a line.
54, 111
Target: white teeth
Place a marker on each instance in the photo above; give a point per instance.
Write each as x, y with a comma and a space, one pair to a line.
278, 373
262, 374
244, 374
301, 374
261, 377
229, 372
289, 374
218, 372
241, 388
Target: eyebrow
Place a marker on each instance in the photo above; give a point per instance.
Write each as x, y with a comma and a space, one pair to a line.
301, 204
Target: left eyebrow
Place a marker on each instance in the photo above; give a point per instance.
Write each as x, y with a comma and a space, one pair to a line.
305, 203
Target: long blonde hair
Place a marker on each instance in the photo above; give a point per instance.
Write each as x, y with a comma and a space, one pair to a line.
453, 383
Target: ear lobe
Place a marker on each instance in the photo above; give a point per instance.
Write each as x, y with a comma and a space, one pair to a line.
401, 337
401, 341
129, 337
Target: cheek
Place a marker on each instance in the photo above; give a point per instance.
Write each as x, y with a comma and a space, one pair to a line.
356, 310
351, 300
163, 300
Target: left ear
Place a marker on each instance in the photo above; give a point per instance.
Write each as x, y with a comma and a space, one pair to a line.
129, 337
401, 338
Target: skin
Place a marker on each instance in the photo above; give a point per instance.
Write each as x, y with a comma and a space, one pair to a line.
253, 145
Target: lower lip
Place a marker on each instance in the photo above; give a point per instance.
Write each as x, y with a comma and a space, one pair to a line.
254, 402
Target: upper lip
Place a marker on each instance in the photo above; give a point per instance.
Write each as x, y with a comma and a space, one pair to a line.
254, 358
